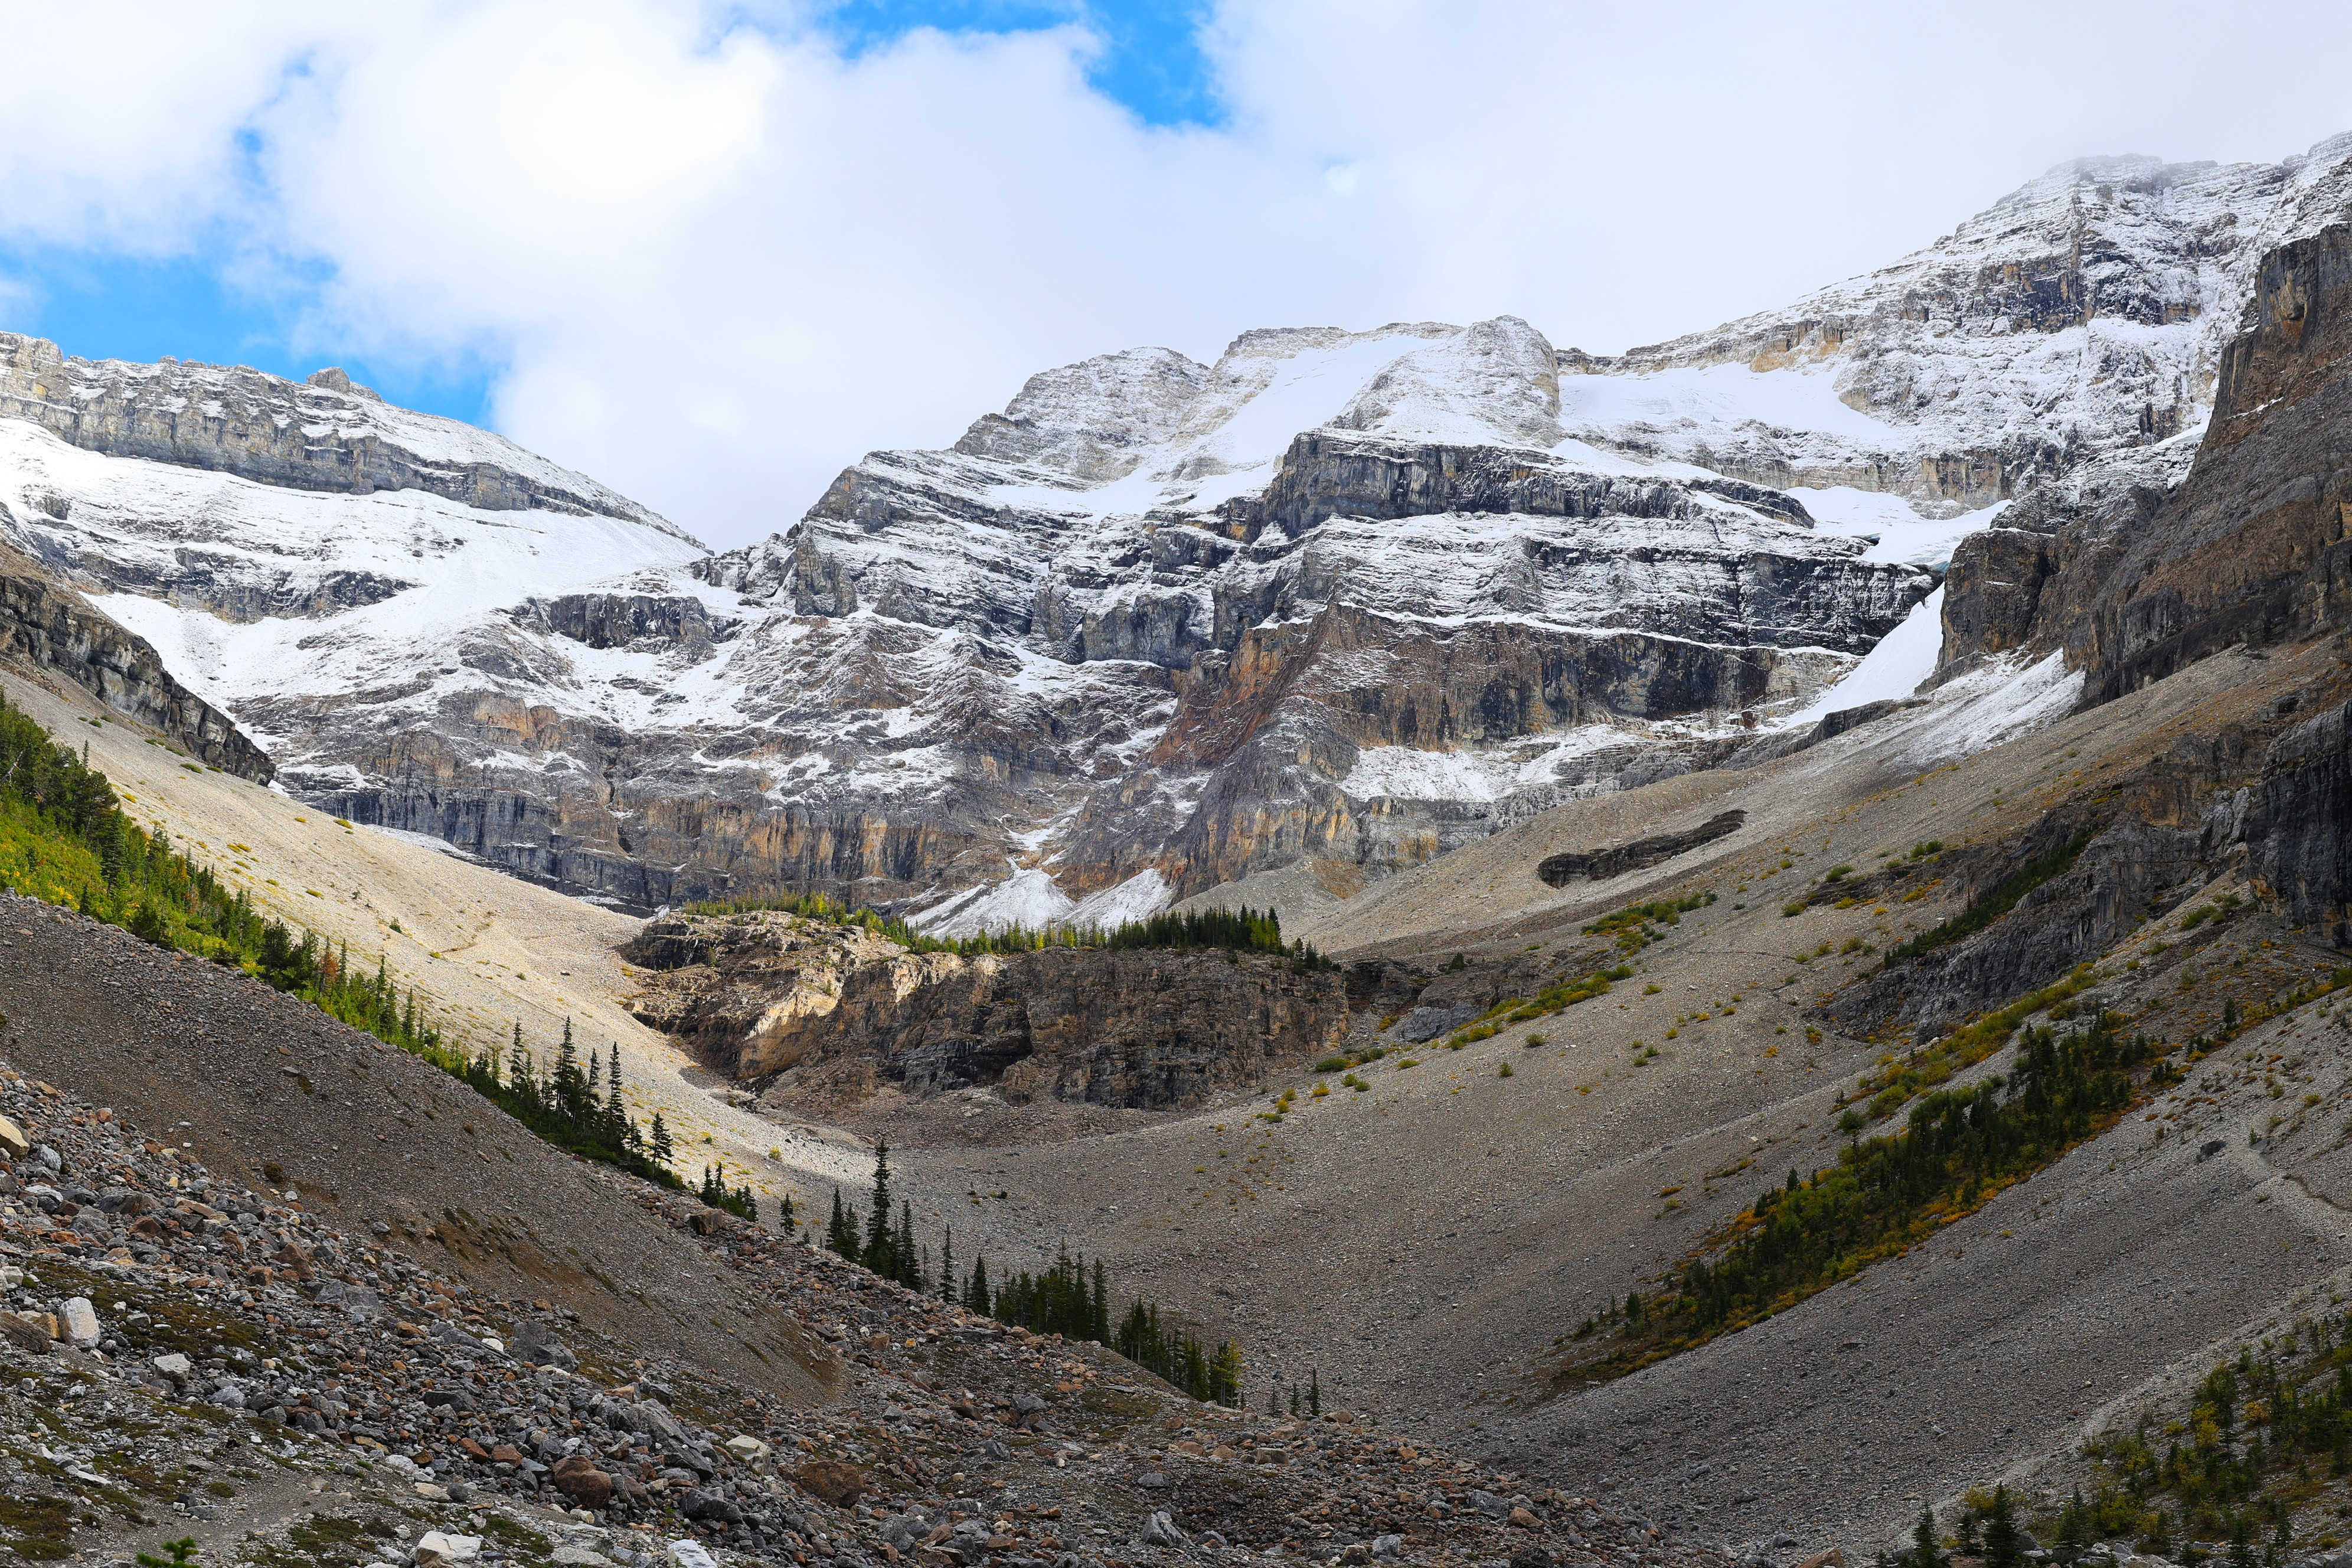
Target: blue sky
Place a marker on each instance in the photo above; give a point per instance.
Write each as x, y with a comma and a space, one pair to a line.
107, 305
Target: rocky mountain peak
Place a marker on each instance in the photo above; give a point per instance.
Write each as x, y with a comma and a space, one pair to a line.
1093, 420
327, 433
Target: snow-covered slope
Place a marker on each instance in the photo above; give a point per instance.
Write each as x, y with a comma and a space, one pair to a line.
1345, 597
2085, 310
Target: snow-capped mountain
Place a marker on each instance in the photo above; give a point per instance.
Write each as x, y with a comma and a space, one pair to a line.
1345, 598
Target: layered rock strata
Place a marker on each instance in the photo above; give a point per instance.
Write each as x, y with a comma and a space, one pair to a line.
822, 1016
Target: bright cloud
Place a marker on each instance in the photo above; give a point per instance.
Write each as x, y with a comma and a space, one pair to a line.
716, 258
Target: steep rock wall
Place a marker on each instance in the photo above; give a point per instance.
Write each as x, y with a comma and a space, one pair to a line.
825, 1015
48, 626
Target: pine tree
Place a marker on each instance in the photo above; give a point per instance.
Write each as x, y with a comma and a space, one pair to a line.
1314, 1393
976, 1296
840, 1237
907, 1266
878, 1219
662, 1151
2242, 1542
1924, 1552
785, 1220
2075, 1522
2001, 1547
947, 1263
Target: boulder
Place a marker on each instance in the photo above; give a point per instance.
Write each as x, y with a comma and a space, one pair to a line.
534, 1344
578, 1478
830, 1480
435, 1550
25, 1335
1161, 1531
174, 1365
79, 1323
13, 1142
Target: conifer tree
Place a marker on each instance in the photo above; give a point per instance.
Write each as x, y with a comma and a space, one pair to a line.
839, 1235
907, 1265
878, 1219
976, 1296
947, 1263
1925, 1553
2002, 1548
1314, 1392
662, 1149
2242, 1542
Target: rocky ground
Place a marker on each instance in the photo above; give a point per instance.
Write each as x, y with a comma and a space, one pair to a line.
201, 1351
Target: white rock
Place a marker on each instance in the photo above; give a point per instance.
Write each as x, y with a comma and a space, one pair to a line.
13, 1142
687, 1552
79, 1320
10, 1277
434, 1548
580, 1557
748, 1448
172, 1365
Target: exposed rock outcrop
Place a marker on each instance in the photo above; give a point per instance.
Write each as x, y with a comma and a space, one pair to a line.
2133, 582
49, 628
825, 1015
327, 434
1560, 870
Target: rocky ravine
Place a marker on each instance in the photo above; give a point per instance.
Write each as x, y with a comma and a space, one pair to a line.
191, 1350
819, 1018
1342, 599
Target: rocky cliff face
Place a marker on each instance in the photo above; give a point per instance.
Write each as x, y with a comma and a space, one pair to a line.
2142, 568
329, 434
49, 628
1357, 597
822, 1016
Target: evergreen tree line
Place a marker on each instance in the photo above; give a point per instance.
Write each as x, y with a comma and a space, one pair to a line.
1238, 931
577, 1108
1960, 1146
1064, 1298
65, 838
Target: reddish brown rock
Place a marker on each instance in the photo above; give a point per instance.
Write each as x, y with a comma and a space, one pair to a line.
579, 1480
830, 1480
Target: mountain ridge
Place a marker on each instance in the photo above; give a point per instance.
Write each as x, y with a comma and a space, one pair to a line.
1349, 599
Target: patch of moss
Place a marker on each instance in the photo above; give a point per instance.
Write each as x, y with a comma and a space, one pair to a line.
39, 1528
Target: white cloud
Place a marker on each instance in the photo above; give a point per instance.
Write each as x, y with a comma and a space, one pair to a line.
718, 261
